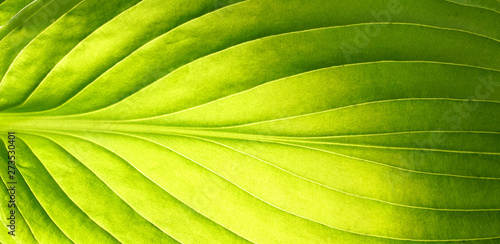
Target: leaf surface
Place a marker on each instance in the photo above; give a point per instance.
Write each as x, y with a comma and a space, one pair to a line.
252, 121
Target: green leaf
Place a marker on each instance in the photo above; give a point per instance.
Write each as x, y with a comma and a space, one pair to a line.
9, 9
256, 121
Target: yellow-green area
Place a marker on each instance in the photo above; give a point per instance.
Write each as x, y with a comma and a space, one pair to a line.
256, 121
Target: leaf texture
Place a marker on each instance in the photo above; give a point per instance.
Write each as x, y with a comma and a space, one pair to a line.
211, 121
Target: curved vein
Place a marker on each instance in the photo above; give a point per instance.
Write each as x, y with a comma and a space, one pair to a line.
350, 106
388, 147
20, 213
72, 49
335, 189
232, 183
62, 190
136, 50
43, 208
474, 6
28, 18
102, 180
296, 75
143, 174
386, 165
278, 208
388, 133
46, 28
259, 39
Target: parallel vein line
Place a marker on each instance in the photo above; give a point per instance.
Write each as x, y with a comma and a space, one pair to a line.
135, 51
28, 18
142, 173
27, 224
278, 208
215, 173
151, 141
72, 49
62, 190
351, 106
390, 147
387, 165
259, 39
335, 189
103, 181
388, 134
474, 6
20, 213
260, 86
27, 45
41, 205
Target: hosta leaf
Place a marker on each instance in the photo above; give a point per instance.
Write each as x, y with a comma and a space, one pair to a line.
148, 121
8, 9
487, 4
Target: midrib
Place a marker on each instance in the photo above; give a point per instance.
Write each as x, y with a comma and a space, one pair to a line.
30, 123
